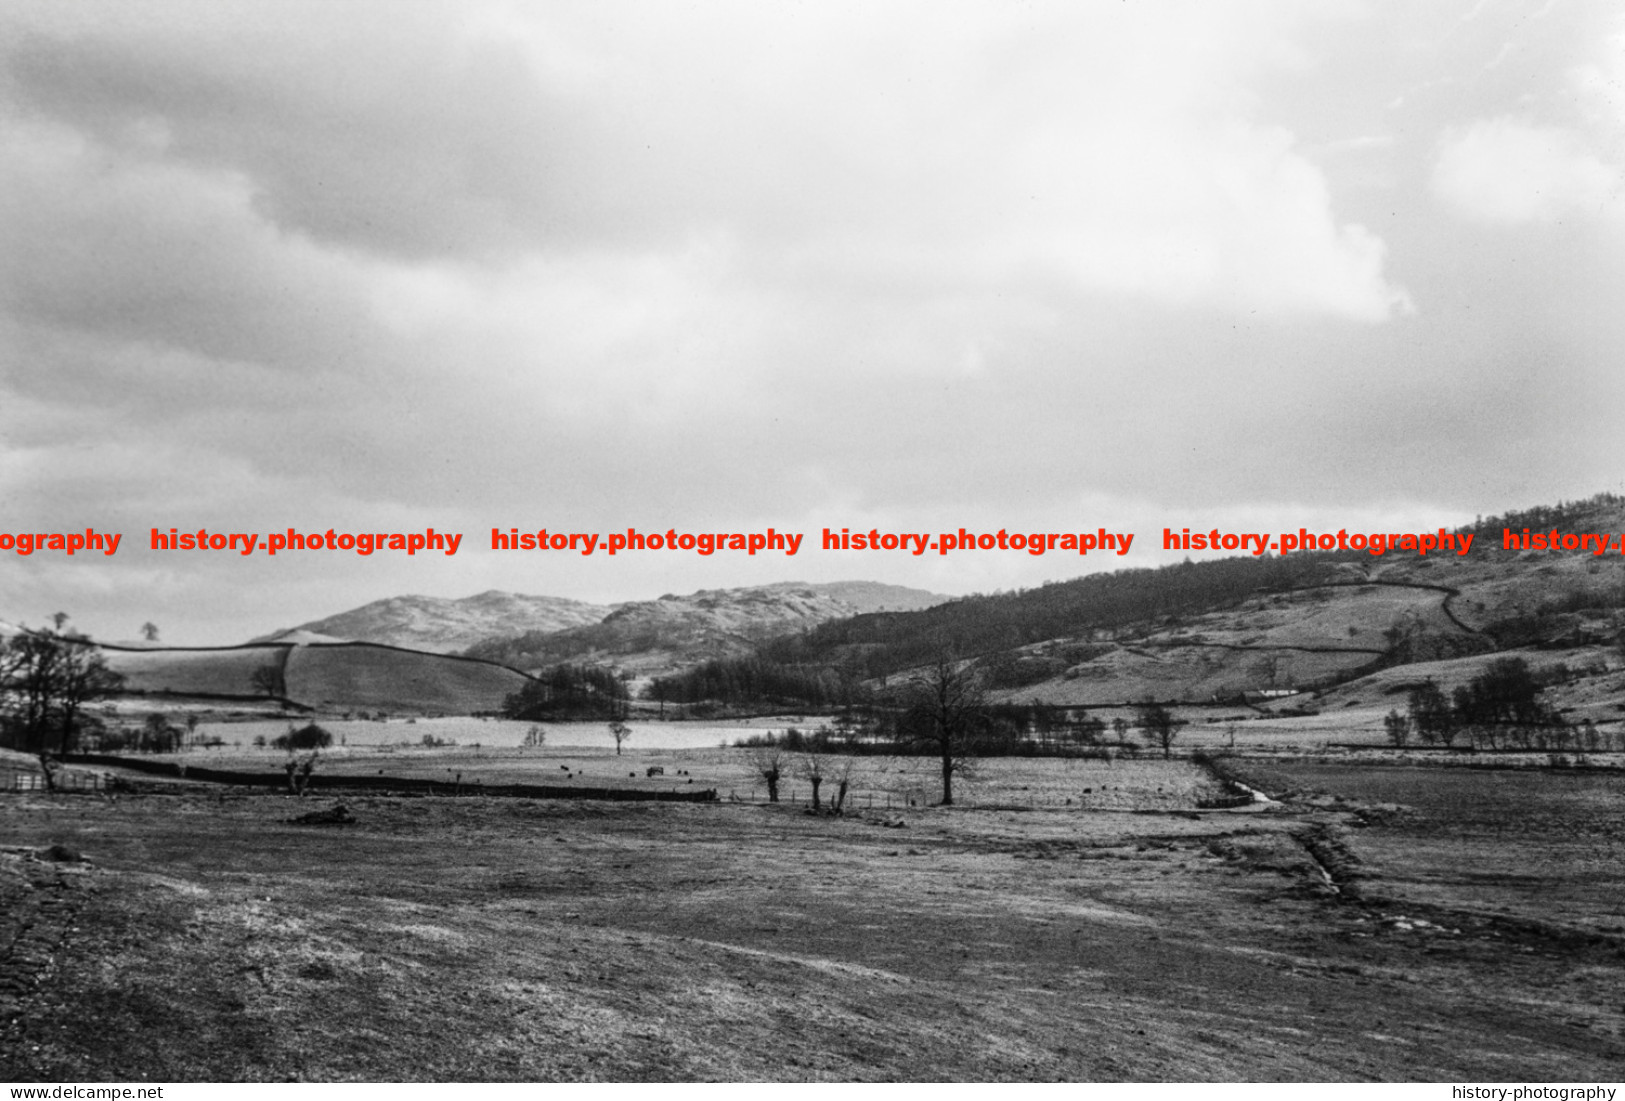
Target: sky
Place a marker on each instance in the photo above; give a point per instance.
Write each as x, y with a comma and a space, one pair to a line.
380, 267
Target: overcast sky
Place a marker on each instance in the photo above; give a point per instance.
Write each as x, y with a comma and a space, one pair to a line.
381, 266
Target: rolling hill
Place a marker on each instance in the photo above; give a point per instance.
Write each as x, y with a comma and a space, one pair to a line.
1324, 629
656, 636
442, 626
320, 676
363, 676
1242, 626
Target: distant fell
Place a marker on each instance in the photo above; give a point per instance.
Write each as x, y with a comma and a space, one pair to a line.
443, 626
654, 636
871, 596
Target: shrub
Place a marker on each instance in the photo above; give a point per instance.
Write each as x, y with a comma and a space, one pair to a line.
309, 736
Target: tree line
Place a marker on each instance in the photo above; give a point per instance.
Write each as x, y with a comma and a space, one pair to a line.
756, 681
47, 681
570, 693
1503, 707
941, 711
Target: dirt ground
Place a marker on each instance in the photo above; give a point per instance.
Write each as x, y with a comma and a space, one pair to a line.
1377, 925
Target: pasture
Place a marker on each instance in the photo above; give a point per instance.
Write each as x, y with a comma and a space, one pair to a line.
1377, 923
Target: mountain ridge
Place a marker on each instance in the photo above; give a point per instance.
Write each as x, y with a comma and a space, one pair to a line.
672, 631
442, 625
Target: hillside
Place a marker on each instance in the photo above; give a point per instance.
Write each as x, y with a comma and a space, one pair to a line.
227, 672
442, 626
654, 636
368, 677
1223, 628
329, 677
1312, 630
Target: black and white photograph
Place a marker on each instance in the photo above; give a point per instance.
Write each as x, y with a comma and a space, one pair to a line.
551, 541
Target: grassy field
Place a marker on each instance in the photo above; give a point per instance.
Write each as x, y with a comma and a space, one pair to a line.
400, 680
1379, 923
214, 672
334, 677
491, 733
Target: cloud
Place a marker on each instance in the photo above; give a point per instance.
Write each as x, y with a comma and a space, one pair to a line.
591, 264
1119, 150
1558, 158
125, 243
403, 131
357, 247
1512, 170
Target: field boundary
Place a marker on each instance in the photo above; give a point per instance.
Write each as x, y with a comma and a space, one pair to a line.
401, 784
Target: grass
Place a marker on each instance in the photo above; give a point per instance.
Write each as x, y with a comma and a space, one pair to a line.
205, 672
503, 939
377, 677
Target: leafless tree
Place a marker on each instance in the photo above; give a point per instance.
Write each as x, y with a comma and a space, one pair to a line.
149, 631
620, 732
1159, 725
945, 706
159, 735
769, 765
267, 679
1397, 725
841, 776
811, 768
82, 677
46, 680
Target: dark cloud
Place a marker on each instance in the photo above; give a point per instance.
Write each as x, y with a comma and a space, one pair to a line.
386, 135
603, 264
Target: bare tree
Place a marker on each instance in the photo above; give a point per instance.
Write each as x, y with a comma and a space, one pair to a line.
29, 667
842, 777
149, 631
159, 735
1398, 727
46, 681
620, 732
811, 768
267, 679
1159, 725
769, 765
945, 706
659, 689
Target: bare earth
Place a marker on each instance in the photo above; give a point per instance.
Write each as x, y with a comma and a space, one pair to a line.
1386, 923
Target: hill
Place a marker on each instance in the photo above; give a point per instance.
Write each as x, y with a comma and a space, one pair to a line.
442, 626
363, 676
226, 673
654, 636
333, 677
1263, 626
